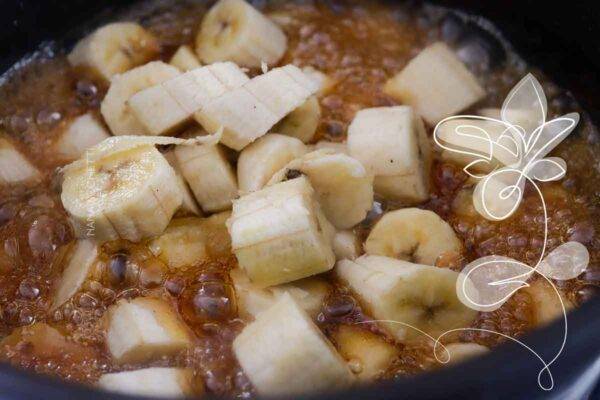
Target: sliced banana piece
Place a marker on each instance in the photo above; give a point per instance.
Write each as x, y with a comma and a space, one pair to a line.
338, 147
301, 123
409, 299
14, 166
368, 354
233, 30
144, 329
82, 133
185, 59
459, 352
325, 82
151, 382
279, 234
188, 204
284, 353
128, 193
391, 142
182, 244
262, 159
81, 260
546, 301
346, 245
114, 49
343, 185
436, 84
248, 112
412, 234
115, 108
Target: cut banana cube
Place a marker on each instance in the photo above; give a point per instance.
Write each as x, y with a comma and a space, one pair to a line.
546, 301
262, 159
182, 244
82, 133
371, 353
152, 382
115, 107
409, 297
346, 245
14, 166
144, 329
459, 352
248, 112
412, 234
284, 353
233, 30
168, 105
325, 82
209, 174
81, 261
279, 234
185, 59
343, 185
301, 123
115, 48
391, 142
189, 204
436, 84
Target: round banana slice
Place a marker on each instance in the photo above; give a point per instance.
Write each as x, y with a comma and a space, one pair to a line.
262, 159
117, 114
234, 31
115, 48
302, 122
129, 193
343, 186
412, 234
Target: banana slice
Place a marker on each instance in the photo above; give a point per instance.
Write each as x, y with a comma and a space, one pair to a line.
81, 261
233, 30
14, 167
248, 112
115, 109
343, 186
391, 142
546, 302
459, 352
144, 329
262, 159
301, 123
284, 353
412, 234
151, 382
436, 84
185, 59
346, 245
279, 234
115, 48
368, 354
125, 192
82, 133
416, 297
338, 147
182, 244
325, 82
188, 204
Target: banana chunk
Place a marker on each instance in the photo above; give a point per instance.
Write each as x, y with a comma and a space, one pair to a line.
436, 84
130, 193
546, 302
370, 353
115, 107
182, 244
414, 296
14, 166
188, 204
459, 352
115, 48
412, 234
144, 329
209, 174
301, 123
81, 262
325, 82
82, 133
279, 234
344, 187
346, 245
185, 59
233, 30
262, 159
284, 353
168, 105
152, 382
250, 111
338, 147
391, 142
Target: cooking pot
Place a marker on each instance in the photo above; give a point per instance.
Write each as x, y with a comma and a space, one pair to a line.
559, 37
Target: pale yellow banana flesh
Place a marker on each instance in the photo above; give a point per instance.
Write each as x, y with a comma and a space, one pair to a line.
82, 257
185, 59
82, 133
346, 245
14, 166
182, 244
152, 382
547, 305
188, 204
301, 123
